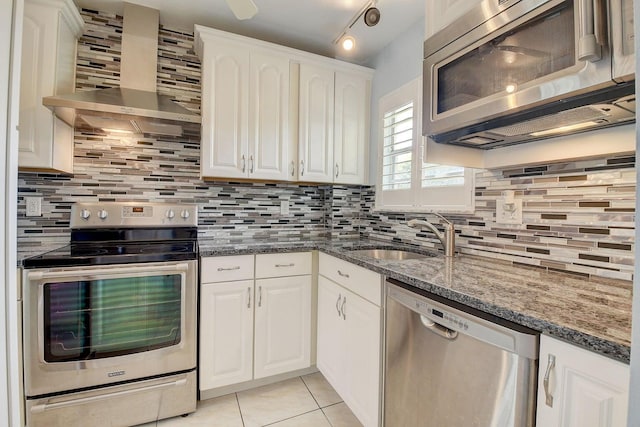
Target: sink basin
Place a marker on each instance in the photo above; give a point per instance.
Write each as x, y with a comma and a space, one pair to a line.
390, 254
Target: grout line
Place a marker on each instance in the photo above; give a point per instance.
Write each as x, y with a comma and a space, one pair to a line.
311, 393
325, 414
239, 409
294, 416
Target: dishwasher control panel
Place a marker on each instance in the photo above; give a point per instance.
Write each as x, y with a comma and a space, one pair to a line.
454, 319
449, 318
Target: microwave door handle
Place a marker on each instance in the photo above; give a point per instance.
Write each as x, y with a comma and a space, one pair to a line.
600, 21
589, 23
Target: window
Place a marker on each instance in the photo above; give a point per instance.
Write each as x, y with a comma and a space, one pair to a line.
405, 181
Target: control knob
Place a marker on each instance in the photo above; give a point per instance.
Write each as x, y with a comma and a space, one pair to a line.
85, 214
185, 214
170, 214
102, 214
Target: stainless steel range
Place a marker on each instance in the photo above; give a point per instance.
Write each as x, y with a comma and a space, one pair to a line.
110, 320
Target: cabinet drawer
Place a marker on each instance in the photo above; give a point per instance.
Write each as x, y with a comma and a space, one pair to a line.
360, 281
280, 265
226, 268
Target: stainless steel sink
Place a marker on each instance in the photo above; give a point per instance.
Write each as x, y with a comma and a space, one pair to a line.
390, 254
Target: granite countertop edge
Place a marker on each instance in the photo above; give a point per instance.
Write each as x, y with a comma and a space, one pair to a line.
340, 249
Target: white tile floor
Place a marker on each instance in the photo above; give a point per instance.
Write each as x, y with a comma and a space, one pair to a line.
307, 401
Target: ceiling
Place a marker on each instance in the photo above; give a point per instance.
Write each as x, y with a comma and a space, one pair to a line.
310, 25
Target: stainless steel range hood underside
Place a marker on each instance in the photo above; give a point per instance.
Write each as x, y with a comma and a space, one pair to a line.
135, 106
122, 109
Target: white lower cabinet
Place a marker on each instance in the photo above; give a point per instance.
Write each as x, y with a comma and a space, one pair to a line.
254, 325
226, 322
282, 325
579, 388
350, 336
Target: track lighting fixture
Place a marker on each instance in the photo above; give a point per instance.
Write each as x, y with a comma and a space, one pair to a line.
371, 17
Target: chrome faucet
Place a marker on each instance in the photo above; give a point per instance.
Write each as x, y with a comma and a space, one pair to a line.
448, 238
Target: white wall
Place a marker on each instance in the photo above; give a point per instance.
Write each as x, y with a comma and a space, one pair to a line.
399, 63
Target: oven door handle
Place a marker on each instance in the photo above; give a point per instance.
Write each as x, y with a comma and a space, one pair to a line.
39, 275
50, 406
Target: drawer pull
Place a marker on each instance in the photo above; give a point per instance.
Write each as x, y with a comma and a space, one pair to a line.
237, 267
551, 363
249, 297
344, 304
343, 274
285, 265
260, 296
338, 304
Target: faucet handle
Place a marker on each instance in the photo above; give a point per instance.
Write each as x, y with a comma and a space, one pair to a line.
445, 220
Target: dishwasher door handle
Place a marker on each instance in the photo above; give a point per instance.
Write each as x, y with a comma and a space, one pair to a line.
438, 329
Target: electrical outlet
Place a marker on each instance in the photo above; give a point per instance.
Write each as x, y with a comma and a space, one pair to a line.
284, 207
34, 206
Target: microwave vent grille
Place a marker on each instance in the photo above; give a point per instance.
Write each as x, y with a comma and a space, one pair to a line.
564, 118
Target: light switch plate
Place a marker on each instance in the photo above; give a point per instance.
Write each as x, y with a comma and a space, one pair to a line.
506, 214
284, 207
34, 206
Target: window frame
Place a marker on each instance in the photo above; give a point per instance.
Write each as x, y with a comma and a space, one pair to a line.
417, 198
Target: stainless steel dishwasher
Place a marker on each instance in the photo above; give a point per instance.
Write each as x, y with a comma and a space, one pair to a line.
453, 367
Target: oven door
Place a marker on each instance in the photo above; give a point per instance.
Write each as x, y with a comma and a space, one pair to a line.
91, 326
528, 54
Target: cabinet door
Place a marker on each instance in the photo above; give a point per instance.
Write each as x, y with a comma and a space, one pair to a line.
225, 115
316, 107
331, 336
283, 325
226, 333
362, 321
440, 13
588, 390
269, 151
47, 68
350, 131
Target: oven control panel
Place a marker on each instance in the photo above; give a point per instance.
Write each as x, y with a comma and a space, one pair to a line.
133, 214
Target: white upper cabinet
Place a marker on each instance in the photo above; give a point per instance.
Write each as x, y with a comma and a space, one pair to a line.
579, 388
225, 111
245, 110
316, 123
270, 149
49, 44
334, 125
351, 128
440, 13
274, 113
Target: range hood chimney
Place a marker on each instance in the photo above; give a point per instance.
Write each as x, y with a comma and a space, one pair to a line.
135, 106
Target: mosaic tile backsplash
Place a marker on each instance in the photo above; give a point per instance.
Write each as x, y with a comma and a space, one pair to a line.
578, 216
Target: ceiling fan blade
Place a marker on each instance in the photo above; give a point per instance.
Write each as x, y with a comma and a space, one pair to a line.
243, 9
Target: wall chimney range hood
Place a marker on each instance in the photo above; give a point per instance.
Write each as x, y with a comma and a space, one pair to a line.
135, 106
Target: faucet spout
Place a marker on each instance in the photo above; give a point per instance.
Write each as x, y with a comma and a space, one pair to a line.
447, 238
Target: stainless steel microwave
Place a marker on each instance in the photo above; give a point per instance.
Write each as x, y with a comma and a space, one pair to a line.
511, 71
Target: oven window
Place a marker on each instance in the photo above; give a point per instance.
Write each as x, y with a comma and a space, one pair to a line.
110, 317
509, 62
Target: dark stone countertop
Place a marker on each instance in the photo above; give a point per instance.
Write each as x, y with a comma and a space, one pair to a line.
593, 313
